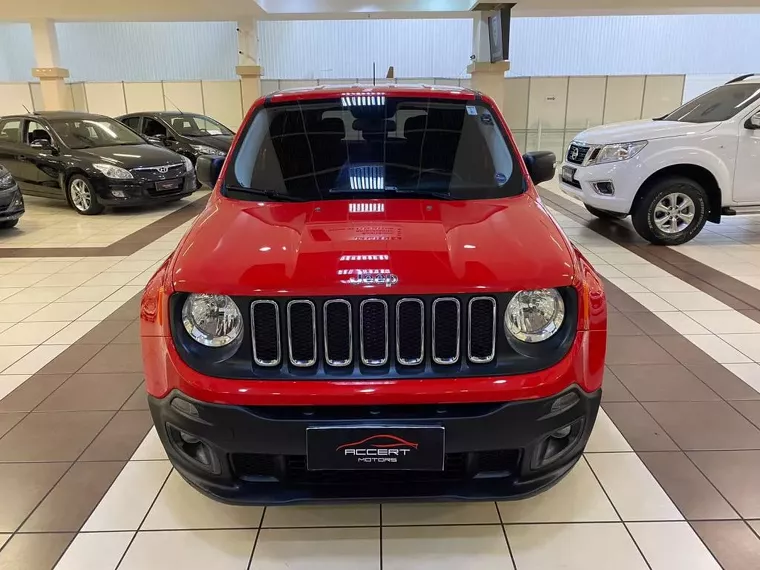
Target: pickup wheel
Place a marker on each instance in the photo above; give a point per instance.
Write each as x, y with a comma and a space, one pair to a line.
605, 214
671, 212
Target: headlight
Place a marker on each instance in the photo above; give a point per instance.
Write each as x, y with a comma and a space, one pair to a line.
618, 152
212, 320
112, 171
534, 316
203, 149
188, 163
6, 180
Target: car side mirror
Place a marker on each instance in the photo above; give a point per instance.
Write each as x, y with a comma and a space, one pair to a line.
753, 122
541, 165
43, 144
208, 168
158, 140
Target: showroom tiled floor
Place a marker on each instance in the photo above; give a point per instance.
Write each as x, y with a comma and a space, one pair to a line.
668, 481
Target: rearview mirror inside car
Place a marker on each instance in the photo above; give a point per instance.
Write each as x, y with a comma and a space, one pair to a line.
541, 165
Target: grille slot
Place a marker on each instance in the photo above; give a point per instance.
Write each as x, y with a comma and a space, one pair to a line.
338, 332
302, 333
577, 153
481, 330
446, 330
410, 332
373, 332
265, 326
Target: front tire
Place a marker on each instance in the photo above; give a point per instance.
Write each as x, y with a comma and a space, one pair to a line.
604, 214
82, 197
6, 224
671, 212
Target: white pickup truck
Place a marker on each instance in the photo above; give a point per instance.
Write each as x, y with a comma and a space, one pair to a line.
674, 173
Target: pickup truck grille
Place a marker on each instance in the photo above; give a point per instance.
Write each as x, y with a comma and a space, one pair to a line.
577, 153
371, 331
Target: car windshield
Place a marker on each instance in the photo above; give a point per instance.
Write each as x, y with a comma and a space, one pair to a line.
717, 105
92, 133
373, 146
196, 126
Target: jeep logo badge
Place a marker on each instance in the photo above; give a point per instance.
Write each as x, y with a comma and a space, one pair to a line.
387, 279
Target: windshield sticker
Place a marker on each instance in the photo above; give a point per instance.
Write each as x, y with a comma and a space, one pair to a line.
471, 110
486, 118
500, 178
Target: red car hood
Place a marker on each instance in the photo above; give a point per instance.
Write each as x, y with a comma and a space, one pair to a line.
316, 248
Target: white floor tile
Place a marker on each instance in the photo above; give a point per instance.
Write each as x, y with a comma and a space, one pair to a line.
628, 285
11, 354
718, 349
682, 323
608, 271
125, 293
748, 372
317, 549
725, 322
190, 550
127, 501
9, 382
668, 284
23, 279
180, 507
35, 359
440, 513
652, 302
72, 332
71, 279
672, 545
640, 270
61, 312
88, 293
445, 548
151, 448
101, 311
7, 292
600, 546
35, 294
695, 301
605, 437
14, 313
30, 333
95, 551
109, 278
3, 539
322, 515
576, 498
747, 344
631, 487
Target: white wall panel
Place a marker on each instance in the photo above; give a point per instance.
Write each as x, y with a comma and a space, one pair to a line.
585, 102
16, 52
106, 98
222, 101
515, 105
79, 96
144, 97
662, 94
624, 98
269, 86
36, 89
13, 97
184, 95
547, 103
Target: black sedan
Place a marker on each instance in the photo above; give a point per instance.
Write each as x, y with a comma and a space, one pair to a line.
189, 134
11, 200
91, 161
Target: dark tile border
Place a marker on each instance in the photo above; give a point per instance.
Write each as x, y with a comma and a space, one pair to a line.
125, 246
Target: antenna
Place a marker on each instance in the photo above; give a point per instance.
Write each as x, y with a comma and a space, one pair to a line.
27, 110
172, 102
374, 73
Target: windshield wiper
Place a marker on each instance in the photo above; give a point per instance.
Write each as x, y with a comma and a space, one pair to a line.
271, 194
423, 194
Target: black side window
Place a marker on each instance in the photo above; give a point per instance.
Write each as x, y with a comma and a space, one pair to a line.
10, 131
151, 128
36, 131
133, 123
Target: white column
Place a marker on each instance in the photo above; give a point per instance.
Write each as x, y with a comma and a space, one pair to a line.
487, 77
55, 94
248, 68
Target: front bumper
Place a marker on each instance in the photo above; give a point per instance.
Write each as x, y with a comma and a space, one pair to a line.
623, 177
127, 193
492, 451
11, 204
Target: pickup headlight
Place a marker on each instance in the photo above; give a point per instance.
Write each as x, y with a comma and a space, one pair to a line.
534, 316
212, 320
203, 149
111, 171
618, 152
6, 180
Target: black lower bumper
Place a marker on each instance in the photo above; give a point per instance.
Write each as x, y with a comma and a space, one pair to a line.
257, 455
117, 193
11, 204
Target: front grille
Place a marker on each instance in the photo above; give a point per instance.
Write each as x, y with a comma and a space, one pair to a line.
265, 322
154, 173
302, 333
373, 332
577, 153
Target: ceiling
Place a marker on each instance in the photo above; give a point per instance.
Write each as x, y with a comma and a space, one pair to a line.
190, 10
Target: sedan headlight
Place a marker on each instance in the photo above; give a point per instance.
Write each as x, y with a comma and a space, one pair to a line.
203, 149
618, 152
6, 180
188, 163
534, 316
111, 171
212, 320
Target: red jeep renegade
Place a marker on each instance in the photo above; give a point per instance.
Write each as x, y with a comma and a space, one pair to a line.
374, 305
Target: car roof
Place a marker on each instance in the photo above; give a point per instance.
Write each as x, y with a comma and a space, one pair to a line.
748, 78
391, 90
56, 115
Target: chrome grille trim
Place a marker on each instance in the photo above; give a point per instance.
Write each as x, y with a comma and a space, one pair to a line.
256, 359
490, 357
156, 168
366, 361
455, 359
313, 360
414, 361
330, 361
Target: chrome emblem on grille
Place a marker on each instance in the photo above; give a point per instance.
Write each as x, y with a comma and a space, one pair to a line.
387, 279
574, 153
163, 169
